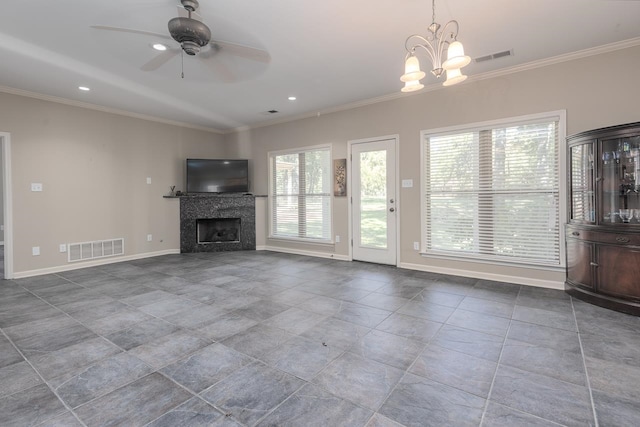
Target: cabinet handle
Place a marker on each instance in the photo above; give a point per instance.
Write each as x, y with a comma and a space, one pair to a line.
575, 233
621, 239
593, 264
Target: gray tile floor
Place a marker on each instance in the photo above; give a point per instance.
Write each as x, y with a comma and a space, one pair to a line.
267, 339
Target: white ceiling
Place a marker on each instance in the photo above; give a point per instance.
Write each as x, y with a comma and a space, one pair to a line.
328, 53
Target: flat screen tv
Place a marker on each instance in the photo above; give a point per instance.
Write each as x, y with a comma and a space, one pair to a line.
217, 175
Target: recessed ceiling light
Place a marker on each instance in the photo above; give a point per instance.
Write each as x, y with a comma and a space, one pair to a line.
84, 88
159, 46
292, 98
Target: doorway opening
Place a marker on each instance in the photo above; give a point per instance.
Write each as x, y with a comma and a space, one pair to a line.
6, 221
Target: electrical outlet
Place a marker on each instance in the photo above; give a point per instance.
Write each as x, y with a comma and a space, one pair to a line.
416, 246
36, 186
35, 251
149, 237
63, 247
337, 239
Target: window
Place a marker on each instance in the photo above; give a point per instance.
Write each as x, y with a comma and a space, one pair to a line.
492, 192
300, 194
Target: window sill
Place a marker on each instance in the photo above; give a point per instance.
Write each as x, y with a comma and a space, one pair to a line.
300, 240
506, 263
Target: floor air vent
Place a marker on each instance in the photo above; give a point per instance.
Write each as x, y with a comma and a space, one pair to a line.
98, 249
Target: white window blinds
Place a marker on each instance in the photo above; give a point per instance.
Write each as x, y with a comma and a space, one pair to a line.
493, 193
300, 194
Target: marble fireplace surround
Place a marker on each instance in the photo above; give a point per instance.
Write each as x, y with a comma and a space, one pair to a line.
219, 206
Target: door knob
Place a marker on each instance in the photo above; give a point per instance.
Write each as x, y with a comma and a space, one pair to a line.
392, 209
390, 200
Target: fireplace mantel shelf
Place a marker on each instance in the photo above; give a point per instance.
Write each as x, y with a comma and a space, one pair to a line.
213, 195
193, 196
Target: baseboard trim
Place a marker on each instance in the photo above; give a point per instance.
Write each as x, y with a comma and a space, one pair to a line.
303, 252
409, 266
486, 276
93, 263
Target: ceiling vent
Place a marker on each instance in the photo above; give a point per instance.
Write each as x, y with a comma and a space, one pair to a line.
494, 56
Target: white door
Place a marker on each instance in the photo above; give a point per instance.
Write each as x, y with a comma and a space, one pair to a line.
374, 204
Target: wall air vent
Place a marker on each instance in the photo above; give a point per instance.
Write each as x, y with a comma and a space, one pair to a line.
494, 56
92, 250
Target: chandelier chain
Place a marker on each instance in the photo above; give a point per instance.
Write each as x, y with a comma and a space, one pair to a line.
433, 11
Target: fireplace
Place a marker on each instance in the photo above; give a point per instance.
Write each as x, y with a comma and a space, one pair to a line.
216, 223
218, 230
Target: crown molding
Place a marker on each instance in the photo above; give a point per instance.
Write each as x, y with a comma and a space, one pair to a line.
344, 107
89, 106
432, 87
585, 53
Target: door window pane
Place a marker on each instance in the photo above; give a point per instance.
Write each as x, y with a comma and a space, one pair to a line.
373, 199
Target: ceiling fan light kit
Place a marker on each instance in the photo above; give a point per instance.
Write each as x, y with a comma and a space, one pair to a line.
434, 45
190, 33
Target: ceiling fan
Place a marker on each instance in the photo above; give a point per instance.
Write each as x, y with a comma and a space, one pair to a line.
194, 38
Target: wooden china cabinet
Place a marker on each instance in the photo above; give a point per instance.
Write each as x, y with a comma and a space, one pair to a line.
603, 234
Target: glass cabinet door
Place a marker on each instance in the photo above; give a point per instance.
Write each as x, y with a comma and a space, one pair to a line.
620, 177
582, 181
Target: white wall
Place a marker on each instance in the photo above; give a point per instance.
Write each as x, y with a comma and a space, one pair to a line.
93, 167
596, 91
1, 197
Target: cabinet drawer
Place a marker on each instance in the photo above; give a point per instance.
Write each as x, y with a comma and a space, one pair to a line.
602, 237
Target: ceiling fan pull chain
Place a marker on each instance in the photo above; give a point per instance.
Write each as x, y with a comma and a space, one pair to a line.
182, 61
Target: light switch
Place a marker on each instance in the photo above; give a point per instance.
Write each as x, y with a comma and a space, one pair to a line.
35, 251
148, 180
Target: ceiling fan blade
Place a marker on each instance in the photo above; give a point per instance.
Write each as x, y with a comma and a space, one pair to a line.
247, 52
159, 60
209, 52
128, 30
221, 70
184, 13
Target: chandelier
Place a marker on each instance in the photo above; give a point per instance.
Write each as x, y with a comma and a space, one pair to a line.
434, 44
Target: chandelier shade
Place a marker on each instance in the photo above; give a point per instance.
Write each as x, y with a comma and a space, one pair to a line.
412, 86
456, 57
454, 76
433, 45
412, 70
